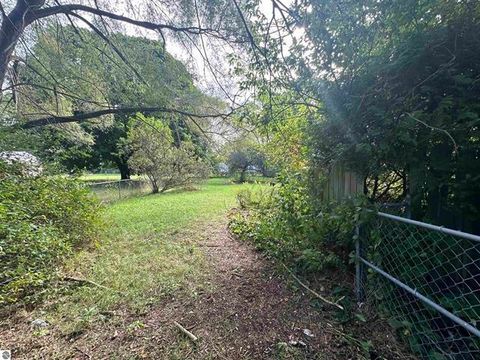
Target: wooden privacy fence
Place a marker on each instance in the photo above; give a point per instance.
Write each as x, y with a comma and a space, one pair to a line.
341, 183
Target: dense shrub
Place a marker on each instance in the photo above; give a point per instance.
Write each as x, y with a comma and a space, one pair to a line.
284, 222
42, 219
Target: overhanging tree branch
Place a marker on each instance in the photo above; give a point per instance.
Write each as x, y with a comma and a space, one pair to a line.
70, 8
53, 120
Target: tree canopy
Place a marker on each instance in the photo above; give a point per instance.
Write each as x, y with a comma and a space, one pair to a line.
196, 26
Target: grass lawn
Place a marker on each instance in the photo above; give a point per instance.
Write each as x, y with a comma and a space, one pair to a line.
148, 251
103, 177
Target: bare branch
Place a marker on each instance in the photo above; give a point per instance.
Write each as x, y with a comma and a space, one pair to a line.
70, 8
51, 120
455, 146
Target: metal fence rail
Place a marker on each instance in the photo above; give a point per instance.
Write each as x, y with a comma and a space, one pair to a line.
109, 191
426, 279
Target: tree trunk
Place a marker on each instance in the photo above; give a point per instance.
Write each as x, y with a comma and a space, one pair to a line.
12, 28
243, 173
155, 188
124, 170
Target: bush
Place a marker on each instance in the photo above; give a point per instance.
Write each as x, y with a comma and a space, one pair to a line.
156, 155
42, 220
288, 225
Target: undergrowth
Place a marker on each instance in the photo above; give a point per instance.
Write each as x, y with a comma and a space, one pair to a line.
42, 221
284, 222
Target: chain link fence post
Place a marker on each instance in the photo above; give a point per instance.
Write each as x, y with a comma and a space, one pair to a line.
408, 206
360, 275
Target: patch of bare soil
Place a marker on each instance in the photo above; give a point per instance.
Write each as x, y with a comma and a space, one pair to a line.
251, 312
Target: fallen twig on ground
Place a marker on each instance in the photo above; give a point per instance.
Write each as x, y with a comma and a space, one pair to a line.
186, 332
312, 291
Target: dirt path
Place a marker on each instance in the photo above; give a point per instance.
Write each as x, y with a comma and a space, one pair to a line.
248, 312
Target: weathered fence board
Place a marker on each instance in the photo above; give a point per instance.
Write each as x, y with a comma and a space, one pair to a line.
341, 183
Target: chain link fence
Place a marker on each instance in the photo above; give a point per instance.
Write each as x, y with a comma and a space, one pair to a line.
109, 191
426, 280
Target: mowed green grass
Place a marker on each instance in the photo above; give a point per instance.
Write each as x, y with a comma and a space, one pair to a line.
149, 250
176, 208
103, 177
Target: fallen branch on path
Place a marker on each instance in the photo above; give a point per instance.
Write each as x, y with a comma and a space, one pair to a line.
313, 291
186, 332
79, 280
